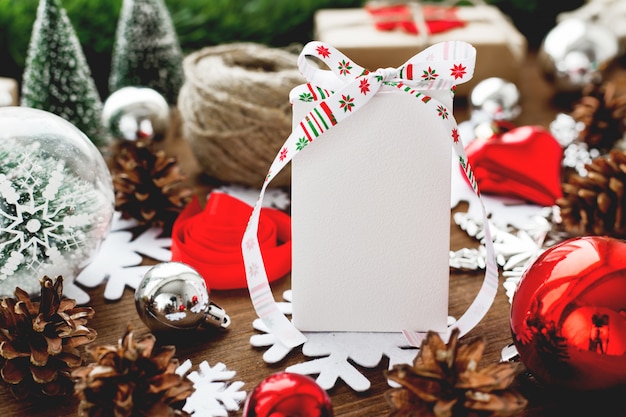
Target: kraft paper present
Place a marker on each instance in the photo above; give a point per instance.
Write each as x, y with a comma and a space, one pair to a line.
371, 220
500, 48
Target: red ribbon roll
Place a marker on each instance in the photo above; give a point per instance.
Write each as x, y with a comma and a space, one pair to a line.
209, 240
438, 19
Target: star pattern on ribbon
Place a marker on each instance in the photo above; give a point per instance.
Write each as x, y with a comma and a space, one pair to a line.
458, 71
322, 51
364, 86
430, 74
344, 67
455, 135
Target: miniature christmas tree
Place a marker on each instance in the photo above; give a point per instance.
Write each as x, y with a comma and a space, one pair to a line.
146, 52
57, 77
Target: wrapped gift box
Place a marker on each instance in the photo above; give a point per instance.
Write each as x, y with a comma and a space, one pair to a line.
501, 48
370, 200
371, 222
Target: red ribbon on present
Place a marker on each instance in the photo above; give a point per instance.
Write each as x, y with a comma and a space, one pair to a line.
438, 18
209, 240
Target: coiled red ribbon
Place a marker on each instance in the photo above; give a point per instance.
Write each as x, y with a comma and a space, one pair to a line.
209, 240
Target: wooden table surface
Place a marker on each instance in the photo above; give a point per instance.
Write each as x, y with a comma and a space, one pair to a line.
232, 347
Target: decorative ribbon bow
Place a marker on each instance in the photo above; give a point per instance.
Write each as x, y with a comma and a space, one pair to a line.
439, 67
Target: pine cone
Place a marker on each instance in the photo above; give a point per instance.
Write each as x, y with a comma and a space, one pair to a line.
40, 340
444, 381
602, 113
132, 379
593, 204
149, 186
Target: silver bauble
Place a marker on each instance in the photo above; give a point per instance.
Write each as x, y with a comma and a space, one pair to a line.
495, 99
576, 51
173, 296
136, 112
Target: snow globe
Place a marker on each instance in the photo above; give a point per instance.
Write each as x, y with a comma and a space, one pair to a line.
56, 199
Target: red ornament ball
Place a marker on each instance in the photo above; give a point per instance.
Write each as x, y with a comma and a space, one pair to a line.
568, 314
286, 394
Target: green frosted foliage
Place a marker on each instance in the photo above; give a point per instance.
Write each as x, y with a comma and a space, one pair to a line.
146, 52
57, 77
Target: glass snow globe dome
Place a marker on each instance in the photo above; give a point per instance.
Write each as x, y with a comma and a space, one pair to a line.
56, 199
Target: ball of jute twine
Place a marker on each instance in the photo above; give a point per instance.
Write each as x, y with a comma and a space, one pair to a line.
235, 110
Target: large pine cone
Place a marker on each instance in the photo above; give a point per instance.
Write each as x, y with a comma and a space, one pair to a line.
594, 204
602, 112
40, 340
149, 185
444, 381
132, 379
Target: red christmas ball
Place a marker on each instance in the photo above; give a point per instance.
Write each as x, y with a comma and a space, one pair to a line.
286, 394
568, 314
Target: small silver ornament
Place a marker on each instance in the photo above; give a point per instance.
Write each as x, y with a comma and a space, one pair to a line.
136, 112
495, 99
576, 154
575, 52
173, 296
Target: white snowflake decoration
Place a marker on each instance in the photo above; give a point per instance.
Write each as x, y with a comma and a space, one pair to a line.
516, 249
213, 396
519, 230
50, 219
118, 263
333, 352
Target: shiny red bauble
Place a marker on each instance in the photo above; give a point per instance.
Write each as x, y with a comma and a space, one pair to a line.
287, 394
523, 162
568, 314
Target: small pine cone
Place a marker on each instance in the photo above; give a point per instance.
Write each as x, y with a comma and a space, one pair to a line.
149, 186
602, 113
40, 340
594, 203
132, 379
444, 381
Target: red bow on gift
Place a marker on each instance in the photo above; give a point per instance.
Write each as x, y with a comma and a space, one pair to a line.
209, 240
438, 18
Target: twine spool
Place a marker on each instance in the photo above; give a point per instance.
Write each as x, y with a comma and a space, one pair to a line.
235, 109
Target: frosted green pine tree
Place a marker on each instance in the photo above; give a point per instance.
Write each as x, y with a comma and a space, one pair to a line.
146, 52
57, 77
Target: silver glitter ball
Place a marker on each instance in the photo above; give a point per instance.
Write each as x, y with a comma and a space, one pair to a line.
495, 99
173, 296
136, 112
575, 52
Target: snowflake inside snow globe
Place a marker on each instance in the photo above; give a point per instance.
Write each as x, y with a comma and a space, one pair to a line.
56, 199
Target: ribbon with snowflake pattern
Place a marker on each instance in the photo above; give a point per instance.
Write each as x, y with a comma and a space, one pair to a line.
348, 88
